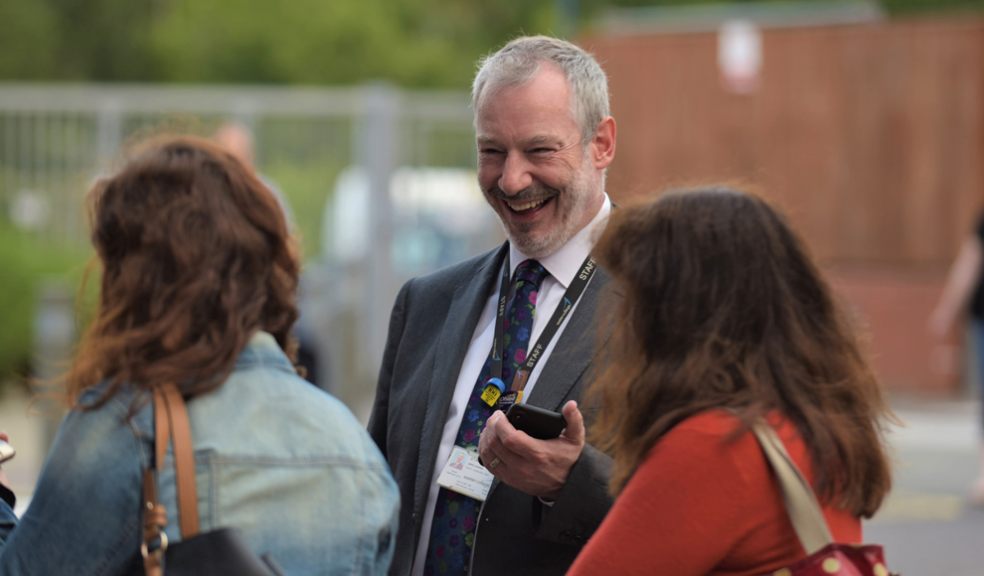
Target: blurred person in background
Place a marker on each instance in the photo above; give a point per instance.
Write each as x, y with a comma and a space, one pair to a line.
198, 280
238, 139
725, 321
963, 294
545, 138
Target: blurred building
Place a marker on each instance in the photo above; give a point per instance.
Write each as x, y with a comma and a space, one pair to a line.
868, 132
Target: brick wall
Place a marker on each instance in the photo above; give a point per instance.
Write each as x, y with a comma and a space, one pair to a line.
870, 137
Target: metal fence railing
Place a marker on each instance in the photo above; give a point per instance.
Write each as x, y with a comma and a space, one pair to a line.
56, 139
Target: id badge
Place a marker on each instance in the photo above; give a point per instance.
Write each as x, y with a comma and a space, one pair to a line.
508, 399
464, 475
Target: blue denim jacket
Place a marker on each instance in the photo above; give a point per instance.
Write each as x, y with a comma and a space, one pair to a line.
277, 458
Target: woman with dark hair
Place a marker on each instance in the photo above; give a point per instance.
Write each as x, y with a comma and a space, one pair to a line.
725, 321
198, 289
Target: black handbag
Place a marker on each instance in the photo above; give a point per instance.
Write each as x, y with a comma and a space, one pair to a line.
220, 551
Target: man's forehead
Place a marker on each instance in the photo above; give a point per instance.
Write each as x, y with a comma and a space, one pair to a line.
548, 79
536, 139
528, 125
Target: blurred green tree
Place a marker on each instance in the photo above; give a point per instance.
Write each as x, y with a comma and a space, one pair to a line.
93, 40
419, 43
27, 265
28, 40
413, 43
105, 40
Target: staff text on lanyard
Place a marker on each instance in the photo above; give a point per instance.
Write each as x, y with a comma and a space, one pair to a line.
494, 394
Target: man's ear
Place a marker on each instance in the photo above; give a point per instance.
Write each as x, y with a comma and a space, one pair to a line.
603, 144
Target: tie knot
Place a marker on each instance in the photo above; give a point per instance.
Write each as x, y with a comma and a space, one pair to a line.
529, 272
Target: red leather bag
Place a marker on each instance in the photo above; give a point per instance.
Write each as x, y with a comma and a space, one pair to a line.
824, 556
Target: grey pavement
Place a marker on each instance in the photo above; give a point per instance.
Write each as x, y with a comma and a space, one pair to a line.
927, 525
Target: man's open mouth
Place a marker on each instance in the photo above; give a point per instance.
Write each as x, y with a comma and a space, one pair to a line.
528, 206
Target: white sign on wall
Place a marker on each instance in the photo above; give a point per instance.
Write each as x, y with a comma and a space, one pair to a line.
740, 56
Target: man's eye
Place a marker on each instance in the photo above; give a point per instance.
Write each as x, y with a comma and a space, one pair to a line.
541, 151
489, 151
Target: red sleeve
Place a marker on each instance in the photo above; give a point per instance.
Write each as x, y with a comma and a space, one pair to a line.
701, 502
686, 507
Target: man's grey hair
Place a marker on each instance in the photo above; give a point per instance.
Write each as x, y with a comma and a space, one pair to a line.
516, 63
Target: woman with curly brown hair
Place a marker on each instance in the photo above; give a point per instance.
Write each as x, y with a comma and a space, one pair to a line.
198, 290
725, 321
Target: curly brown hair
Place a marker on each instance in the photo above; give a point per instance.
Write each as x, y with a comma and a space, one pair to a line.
722, 308
195, 256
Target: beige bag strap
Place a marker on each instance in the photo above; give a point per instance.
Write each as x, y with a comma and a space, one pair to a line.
170, 423
801, 504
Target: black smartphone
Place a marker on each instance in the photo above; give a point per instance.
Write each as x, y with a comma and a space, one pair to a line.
539, 423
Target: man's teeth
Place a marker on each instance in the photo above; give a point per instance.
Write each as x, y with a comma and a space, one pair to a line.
526, 205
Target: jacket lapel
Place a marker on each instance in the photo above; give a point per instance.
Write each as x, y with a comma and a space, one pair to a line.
575, 349
463, 312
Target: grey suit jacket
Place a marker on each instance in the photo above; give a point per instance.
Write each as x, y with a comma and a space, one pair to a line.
430, 328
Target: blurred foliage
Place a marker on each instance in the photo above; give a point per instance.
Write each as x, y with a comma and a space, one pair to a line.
413, 43
27, 265
416, 43
27, 40
306, 189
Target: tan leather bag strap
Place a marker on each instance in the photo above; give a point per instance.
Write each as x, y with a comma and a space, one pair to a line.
801, 504
154, 543
184, 456
170, 424
162, 429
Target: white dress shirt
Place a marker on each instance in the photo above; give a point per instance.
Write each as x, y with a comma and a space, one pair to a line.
562, 266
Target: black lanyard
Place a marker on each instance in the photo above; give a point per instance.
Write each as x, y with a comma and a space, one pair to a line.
571, 296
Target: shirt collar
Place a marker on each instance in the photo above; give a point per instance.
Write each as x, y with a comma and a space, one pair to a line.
564, 264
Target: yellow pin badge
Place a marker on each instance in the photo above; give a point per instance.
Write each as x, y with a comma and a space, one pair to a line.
494, 388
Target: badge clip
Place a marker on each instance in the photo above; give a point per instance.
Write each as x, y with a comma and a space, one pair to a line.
519, 382
509, 398
494, 388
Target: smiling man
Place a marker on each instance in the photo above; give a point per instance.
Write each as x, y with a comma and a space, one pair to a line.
514, 326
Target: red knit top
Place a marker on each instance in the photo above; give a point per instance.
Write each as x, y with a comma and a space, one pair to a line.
699, 504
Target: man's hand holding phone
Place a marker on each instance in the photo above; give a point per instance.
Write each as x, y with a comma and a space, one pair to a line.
539, 423
538, 467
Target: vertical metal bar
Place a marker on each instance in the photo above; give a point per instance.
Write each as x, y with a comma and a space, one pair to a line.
109, 133
7, 155
58, 179
69, 187
24, 155
55, 219
23, 149
376, 153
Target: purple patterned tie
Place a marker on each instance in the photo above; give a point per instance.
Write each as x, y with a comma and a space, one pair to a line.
453, 529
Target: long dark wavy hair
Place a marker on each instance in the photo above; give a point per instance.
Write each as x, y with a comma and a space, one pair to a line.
195, 256
722, 308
